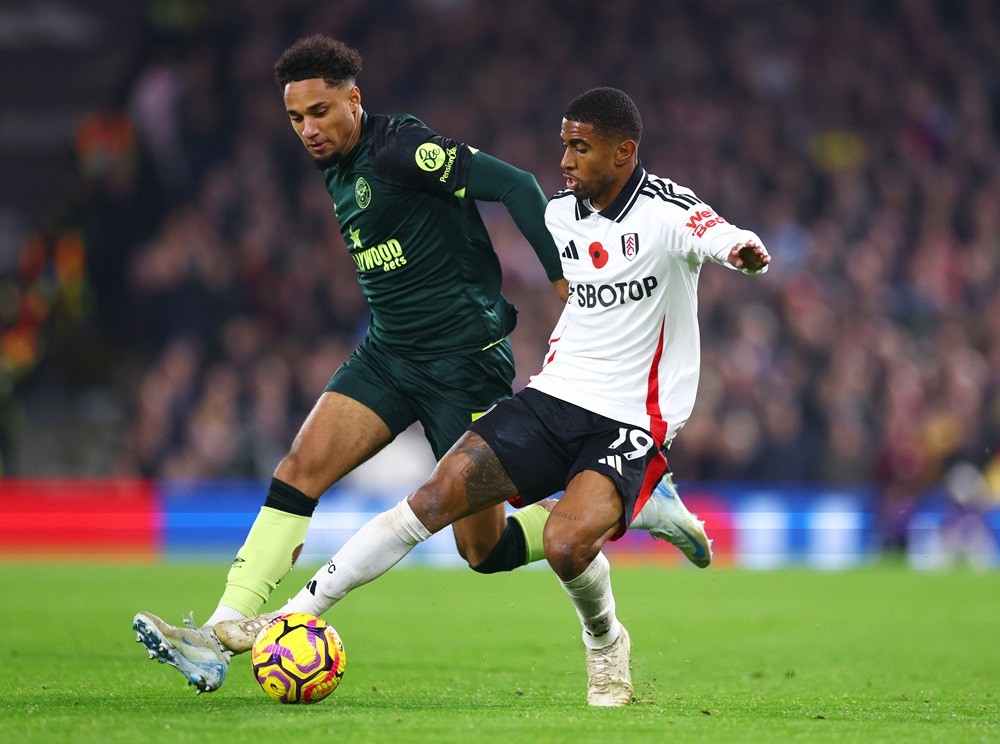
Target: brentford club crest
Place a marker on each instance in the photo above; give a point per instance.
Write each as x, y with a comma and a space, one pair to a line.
630, 245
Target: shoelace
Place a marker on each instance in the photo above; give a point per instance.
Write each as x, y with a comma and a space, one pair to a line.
601, 665
602, 679
190, 624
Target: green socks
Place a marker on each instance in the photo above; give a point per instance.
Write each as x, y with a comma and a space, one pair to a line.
266, 557
532, 520
270, 550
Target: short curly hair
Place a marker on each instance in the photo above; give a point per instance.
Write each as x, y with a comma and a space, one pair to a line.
318, 56
609, 111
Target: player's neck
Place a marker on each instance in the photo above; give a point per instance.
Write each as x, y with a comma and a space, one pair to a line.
608, 196
359, 125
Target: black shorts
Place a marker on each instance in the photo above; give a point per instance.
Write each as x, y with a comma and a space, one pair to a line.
543, 442
444, 395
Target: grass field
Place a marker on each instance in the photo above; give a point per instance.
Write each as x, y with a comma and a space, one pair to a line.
881, 654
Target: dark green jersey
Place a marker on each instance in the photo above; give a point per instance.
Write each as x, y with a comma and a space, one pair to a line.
423, 255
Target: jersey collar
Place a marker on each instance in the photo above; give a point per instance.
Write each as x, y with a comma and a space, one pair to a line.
622, 203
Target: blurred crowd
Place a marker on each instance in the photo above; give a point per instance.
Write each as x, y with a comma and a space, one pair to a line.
859, 138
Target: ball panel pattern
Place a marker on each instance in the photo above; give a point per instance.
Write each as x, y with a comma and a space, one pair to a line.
298, 658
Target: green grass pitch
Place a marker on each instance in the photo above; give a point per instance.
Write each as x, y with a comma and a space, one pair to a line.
880, 654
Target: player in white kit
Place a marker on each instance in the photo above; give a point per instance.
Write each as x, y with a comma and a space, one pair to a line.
617, 384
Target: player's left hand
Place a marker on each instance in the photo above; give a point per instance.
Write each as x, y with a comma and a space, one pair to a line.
749, 256
561, 287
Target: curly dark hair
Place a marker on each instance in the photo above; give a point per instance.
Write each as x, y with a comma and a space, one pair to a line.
318, 56
609, 111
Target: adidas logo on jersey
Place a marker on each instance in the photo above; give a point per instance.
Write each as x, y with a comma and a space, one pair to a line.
570, 251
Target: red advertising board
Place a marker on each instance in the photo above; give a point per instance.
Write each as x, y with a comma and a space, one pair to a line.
103, 518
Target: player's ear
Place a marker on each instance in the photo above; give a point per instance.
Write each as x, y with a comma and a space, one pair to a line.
625, 152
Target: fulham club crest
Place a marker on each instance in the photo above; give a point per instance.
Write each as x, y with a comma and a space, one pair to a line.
630, 245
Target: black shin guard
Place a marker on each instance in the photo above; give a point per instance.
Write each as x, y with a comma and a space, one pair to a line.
509, 553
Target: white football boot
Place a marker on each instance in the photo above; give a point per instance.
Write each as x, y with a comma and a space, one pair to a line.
665, 517
194, 652
609, 679
237, 636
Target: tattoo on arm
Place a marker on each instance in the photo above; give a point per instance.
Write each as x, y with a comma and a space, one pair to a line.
562, 515
486, 482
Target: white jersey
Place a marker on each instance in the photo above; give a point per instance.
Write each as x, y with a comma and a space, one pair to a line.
627, 345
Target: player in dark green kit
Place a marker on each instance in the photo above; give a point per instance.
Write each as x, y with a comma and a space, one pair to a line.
424, 259
436, 350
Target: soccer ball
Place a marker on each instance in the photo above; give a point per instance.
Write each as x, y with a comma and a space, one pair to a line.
298, 658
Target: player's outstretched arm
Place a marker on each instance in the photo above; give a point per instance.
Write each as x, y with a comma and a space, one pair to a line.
750, 257
491, 179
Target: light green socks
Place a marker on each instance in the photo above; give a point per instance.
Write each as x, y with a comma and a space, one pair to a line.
270, 550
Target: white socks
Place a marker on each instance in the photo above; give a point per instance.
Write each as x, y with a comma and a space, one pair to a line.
369, 553
389, 537
224, 613
595, 604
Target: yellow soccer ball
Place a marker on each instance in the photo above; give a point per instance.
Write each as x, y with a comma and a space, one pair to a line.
298, 658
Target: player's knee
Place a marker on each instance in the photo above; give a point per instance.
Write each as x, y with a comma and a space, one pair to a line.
295, 469
432, 505
561, 555
567, 554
